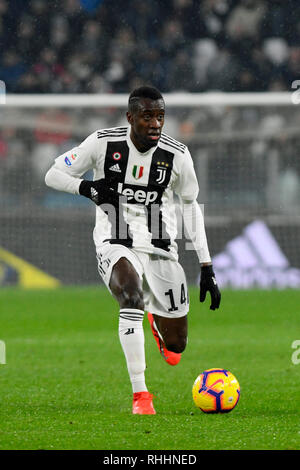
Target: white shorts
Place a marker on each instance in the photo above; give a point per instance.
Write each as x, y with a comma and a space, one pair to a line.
163, 280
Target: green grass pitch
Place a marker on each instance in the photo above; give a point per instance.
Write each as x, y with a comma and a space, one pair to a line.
65, 384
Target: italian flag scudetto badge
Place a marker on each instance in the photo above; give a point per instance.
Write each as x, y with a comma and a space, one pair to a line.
137, 171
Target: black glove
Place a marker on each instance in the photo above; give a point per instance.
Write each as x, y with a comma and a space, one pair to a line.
99, 192
208, 283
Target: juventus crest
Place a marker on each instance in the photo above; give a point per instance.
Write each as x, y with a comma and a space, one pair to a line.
162, 171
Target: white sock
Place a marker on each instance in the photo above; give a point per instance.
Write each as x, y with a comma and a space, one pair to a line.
132, 339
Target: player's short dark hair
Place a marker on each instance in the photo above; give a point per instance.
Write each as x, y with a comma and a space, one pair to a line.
143, 92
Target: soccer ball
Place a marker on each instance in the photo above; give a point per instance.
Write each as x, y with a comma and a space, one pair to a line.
216, 391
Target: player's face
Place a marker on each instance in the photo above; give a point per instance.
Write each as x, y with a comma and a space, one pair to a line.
147, 123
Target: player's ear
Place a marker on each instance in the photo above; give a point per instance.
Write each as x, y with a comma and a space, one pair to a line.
129, 117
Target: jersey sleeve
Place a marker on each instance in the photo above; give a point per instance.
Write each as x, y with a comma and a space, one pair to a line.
186, 184
79, 160
195, 229
65, 174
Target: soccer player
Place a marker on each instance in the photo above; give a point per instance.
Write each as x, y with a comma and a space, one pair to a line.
137, 170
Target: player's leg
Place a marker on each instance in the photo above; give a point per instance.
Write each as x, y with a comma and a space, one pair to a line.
125, 285
173, 332
169, 344
168, 307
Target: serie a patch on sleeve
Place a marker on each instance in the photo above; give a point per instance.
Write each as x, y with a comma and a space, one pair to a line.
70, 159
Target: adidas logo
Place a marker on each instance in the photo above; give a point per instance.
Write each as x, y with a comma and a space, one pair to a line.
94, 194
115, 168
254, 259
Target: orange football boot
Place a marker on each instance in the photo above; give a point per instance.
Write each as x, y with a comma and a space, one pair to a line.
142, 404
169, 356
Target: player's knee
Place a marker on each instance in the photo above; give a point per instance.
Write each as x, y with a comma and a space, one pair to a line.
132, 299
176, 345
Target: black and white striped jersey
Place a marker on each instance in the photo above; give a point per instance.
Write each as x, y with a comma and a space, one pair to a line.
146, 219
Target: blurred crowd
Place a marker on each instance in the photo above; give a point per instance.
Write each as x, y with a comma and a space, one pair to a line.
107, 46
103, 46
246, 158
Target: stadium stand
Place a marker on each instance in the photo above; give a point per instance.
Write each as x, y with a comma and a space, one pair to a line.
93, 46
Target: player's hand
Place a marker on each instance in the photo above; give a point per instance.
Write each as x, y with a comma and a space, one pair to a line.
99, 192
209, 284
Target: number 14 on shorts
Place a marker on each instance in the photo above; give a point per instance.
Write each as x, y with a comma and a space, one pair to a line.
184, 298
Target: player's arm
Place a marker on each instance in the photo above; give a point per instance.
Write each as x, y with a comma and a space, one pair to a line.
65, 174
195, 228
187, 190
